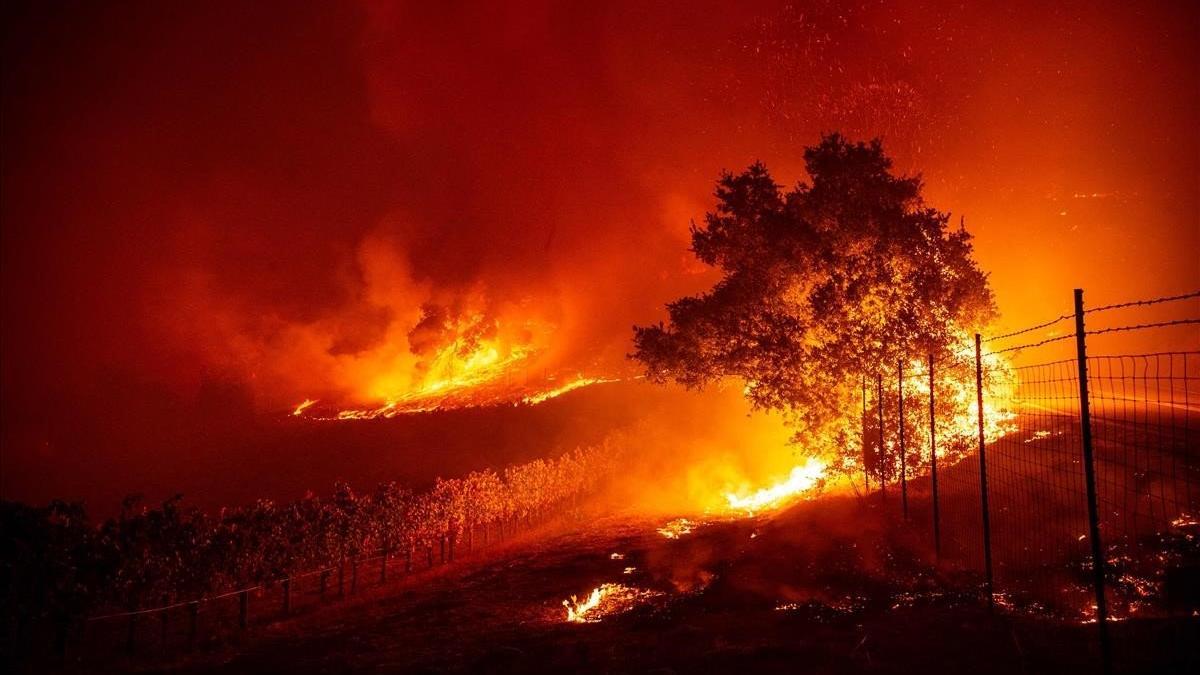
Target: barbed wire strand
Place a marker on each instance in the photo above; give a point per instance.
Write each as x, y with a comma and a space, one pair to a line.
1119, 305
1142, 303
1140, 326
1031, 345
1028, 330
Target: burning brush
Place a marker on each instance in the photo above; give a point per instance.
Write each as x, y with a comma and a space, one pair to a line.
605, 600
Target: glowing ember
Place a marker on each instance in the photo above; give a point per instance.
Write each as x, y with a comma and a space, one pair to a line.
802, 479
605, 600
305, 405
617, 556
1185, 520
676, 528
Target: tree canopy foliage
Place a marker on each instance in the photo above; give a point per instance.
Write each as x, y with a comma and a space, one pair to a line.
821, 285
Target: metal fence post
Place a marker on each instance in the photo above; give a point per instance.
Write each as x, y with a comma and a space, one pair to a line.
882, 453
983, 487
162, 616
287, 595
243, 608
937, 526
130, 644
863, 427
193, 621
1089, 472
903, 459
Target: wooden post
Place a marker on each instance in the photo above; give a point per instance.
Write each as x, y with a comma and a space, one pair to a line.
354, 576
342, 577
324, 583
243, 608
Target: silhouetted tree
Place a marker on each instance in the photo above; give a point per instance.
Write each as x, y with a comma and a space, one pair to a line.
821, 284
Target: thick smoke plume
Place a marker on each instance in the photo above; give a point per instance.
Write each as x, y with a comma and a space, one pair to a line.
215, 212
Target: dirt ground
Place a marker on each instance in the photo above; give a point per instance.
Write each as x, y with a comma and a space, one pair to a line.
818, 588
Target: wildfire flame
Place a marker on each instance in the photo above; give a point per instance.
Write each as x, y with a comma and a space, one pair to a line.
464, 395
604, 600
457, 375
999, 389
304, 405
802, 479
578, 383
676, 528
577, 611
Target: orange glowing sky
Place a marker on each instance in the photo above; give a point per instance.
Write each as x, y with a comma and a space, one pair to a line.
235, 205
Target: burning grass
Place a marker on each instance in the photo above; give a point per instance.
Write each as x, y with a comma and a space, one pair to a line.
486, 389
677, 528
606, 600
802, 479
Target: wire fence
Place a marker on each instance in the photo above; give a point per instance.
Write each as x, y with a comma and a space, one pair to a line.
1061, 484
1079, 495
156, 582
170, 629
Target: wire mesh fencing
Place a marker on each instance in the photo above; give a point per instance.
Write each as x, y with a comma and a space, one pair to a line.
1079, 497
173, 628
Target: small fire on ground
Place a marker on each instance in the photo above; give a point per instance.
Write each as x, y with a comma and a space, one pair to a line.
304, 405
802, 480
605, 600
676, 528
